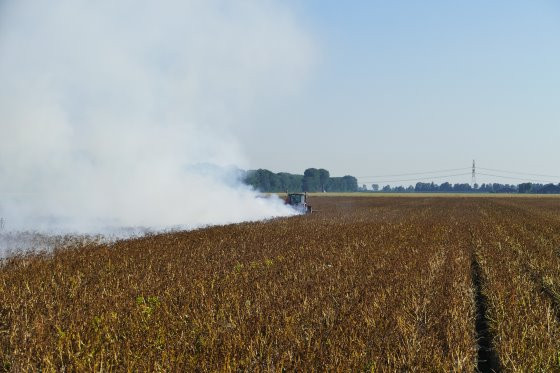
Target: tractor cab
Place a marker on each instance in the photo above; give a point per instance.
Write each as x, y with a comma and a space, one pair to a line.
299, 202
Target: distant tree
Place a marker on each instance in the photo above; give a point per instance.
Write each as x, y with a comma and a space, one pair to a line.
446, 187
311, 180
261, 179
350, 183
290, 182
486, 188
524, 188
375, 187
386, 189
335, 184
422, 187
323, 179
549, 189
503, 188
267, 181
462, 188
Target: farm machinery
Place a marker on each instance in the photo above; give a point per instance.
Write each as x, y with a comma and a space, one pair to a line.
298, 201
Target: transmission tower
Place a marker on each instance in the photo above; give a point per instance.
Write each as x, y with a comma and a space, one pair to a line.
473, 180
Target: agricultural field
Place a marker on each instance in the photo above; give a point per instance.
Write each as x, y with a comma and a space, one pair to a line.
422, 283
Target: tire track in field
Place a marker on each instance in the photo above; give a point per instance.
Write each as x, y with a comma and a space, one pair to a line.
487, 356
488, 360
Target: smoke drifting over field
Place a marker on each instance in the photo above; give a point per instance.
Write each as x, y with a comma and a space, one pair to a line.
108, 109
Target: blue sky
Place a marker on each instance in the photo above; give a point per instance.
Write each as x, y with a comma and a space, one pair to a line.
410, 86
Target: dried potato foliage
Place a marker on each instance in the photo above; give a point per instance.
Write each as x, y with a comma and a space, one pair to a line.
518, 244
366, 284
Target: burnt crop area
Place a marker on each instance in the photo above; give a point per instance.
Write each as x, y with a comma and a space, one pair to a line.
368, 284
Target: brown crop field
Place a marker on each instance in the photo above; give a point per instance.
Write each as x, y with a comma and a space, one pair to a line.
368, 284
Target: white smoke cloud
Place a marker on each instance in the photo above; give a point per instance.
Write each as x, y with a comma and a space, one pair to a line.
106, 108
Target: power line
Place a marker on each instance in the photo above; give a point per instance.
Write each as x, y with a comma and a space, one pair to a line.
374, 177
517, 173
17, 193
417, 173
415, 179
518, 178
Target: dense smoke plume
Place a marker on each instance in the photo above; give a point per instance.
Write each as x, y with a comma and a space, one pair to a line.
110, 110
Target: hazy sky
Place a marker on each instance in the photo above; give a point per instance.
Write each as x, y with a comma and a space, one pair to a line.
408, 86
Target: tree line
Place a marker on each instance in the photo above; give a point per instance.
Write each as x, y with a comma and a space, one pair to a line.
312, 180
319, 180
527, 188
